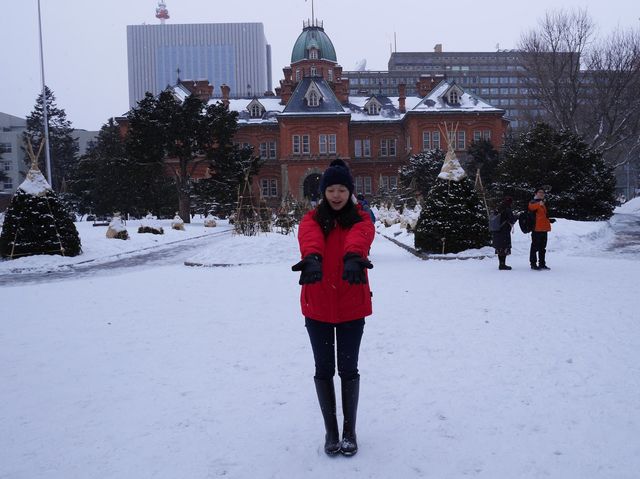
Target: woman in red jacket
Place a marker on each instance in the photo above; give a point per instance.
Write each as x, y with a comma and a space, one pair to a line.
334, 242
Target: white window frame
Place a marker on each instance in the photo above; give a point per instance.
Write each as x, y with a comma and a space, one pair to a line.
256, 111
297, 144
367, 185
330, 74
477, 135
269, 187
435, 140
332, 143
314, 99
357, 148
462, 140
366, 148
426, 140
306, 149
313, 54
322, 144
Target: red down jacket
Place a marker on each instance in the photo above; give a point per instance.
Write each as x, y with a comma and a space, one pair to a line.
334, 300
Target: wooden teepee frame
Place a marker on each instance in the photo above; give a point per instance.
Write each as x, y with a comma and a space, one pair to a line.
32, 170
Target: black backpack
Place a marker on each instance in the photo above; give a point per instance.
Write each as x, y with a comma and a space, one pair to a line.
527, 221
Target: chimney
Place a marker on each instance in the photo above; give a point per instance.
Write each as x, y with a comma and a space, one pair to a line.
225, 94
425, 84
402, 96
438, 48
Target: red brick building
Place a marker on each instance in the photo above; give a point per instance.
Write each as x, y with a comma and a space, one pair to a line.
311, 120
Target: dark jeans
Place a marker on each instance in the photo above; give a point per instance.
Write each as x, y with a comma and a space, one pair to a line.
323, 340
539, 246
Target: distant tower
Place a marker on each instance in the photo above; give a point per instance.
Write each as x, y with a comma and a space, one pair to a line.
161, 12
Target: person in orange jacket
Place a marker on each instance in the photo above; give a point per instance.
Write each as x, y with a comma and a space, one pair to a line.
538, 251
335, 239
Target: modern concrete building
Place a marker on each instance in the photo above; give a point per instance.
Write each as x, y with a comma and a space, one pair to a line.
12, 153
496, 77
235, 54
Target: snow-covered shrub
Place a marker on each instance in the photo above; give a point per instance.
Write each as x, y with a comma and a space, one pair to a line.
177, 223
150, 225
210, 221
117, 229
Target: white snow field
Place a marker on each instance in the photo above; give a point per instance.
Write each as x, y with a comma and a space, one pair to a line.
203, 372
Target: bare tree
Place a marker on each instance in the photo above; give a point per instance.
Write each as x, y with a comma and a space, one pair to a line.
587, 85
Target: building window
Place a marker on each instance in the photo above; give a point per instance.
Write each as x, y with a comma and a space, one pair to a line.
486, 134
387, 147
269, 187
363, 148
297, 74
327, 144
462, 140
426, 140
363, 185
373, 108
454, 99
268, 150
313, 72
313, 54
314, 99
6, 166
435, 140
8, 183
256, 111
389, 183
330, 74
5, 147
300, 144
477, 135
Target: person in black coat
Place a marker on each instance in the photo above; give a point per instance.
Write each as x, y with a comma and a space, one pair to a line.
502, 239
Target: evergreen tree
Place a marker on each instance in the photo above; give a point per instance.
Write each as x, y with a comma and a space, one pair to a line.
452, 217
37, 222
580, 184
186, 134
63, 148
484, 157
418, 177
452, 211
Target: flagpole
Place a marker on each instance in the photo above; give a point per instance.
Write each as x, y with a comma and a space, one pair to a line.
45, 118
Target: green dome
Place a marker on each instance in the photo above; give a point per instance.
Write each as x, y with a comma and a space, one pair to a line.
313, 37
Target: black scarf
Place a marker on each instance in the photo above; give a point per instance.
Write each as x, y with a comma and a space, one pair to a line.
328, 218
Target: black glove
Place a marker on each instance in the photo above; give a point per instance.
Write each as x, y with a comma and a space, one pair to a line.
552, 220
310, 269
354, 266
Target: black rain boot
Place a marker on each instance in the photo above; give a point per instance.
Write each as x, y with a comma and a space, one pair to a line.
503, 263
327, 399
350, 394
543, 262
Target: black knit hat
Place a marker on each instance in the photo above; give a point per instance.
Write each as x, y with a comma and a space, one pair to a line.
338, 173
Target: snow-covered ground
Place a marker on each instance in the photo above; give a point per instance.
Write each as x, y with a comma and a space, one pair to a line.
96, 247
194, 372
631, 207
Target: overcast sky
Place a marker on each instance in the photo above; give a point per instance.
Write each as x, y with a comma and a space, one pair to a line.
85, 43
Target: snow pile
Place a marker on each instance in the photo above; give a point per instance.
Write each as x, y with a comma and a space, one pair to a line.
631, 207
210, 221
573, 237
35, 184
242, 250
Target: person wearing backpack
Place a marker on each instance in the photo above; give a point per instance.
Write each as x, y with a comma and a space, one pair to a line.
538, 251
500, 222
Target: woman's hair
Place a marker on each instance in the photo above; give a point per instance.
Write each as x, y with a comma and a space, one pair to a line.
328, 218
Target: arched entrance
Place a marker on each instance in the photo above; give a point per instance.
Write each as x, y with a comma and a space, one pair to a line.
311, 187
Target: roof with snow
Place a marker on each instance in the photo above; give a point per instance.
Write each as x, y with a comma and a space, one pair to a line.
299, 104
449, 97
446, 97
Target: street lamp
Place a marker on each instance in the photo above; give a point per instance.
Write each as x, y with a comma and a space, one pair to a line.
45, 118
